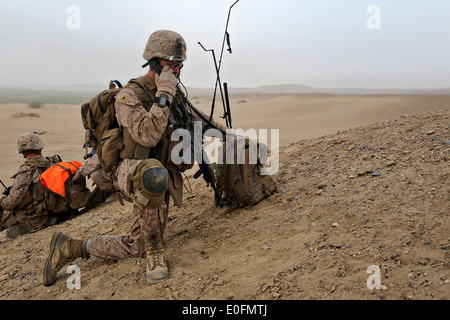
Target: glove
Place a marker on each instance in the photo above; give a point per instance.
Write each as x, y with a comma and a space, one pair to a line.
77, 176
166, 82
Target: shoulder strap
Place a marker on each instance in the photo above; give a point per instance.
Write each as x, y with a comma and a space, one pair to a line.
67, 169
99, 102
54, 159
145, 89
38, 163
115, 83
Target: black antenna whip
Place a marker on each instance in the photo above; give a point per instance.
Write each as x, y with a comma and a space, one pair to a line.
225, 101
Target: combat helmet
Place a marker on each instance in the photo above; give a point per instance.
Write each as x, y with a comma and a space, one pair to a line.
165, 44
29, 141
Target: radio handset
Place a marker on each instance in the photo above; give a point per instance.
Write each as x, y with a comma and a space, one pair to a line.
155, 66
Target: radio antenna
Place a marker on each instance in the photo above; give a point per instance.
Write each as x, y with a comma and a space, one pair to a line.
225, 100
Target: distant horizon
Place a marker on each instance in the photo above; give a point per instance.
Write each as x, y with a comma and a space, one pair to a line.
280, 85
321, 44
81, 94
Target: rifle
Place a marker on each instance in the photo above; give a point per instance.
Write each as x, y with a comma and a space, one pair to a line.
7, 189
90, 154
204, 165
204, 170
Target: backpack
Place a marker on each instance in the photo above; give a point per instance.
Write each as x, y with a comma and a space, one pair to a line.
108, 138
102, 129
61, 193
40, 197
240, 185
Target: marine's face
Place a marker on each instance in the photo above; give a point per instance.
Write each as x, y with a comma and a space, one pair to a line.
174, 65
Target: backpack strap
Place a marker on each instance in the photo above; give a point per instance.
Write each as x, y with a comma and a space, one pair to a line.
144, 89
114, 83
99, 102
67, 169
42, 163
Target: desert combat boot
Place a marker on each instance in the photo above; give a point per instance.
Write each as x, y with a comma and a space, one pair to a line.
63, 249
156, 266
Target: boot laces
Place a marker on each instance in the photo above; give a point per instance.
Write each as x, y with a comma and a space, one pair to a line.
157, 251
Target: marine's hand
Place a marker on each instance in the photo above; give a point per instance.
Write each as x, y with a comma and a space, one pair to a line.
166, 82
77, 176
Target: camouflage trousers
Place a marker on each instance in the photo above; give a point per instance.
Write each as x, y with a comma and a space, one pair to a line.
143, 220
92, 169
34, 218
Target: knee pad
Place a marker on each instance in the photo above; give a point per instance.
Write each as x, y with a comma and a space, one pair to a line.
150, 182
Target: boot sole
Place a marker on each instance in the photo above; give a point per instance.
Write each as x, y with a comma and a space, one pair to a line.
160, 275
14, 232
48, 280
153, 281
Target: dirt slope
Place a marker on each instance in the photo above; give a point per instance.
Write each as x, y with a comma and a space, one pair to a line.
374, 195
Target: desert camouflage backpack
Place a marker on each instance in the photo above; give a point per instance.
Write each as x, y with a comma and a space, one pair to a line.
99, 117
40, 197
103, 131
61, 192
240, 185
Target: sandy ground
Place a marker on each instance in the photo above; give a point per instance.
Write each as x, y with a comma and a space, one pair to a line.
297, 117
331, 219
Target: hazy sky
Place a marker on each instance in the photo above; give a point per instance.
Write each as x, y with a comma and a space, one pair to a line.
318, 43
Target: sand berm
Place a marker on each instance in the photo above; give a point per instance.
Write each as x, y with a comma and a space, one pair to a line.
370, 197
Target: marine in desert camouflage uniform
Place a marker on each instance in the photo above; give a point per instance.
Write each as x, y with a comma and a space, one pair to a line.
24, 206
149, 181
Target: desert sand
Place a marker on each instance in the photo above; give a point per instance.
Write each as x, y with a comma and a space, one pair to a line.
301, 116
330, 220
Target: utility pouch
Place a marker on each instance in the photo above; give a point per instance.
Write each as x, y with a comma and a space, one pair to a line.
111, 144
